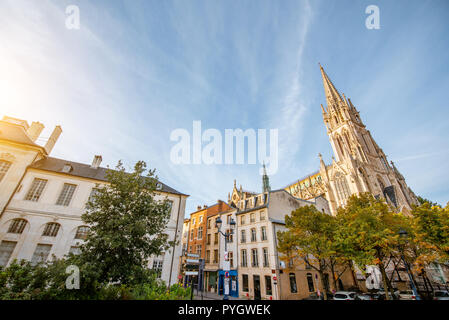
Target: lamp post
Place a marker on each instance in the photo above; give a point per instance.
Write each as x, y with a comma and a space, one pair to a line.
218, 223
403, 235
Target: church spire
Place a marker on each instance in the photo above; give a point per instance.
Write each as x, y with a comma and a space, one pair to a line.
332, 95
265, 180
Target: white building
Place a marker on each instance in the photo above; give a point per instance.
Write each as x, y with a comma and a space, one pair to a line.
42, 199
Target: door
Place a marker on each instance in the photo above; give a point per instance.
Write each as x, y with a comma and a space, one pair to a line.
256, 281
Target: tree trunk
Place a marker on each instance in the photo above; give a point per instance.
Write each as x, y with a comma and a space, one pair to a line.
384, 280
323, 286
354, 280
334, 281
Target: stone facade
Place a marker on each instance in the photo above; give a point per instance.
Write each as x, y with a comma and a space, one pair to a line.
358, 165
42, 200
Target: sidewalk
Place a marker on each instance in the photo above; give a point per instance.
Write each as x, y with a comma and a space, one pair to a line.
211, 296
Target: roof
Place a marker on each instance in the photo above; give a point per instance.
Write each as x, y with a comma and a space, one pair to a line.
303, 178
83, 170
15, 133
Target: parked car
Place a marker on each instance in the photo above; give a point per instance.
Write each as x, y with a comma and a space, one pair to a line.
345, 295
381, 294
314, 296
440, 295
363, 296
406, 295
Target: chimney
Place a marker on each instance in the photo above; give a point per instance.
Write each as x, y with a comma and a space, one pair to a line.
53, 138
205, 206
96, 161
198, 208
35, 130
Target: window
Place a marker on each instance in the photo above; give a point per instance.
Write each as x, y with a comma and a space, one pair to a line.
293, 288
6, 250
252, 217
242, 220
198, 250
262, 215
191, 234
243, 236
268, 289
265, 257
310, 282
254, 258
170, 205
215, 256
92, 195
216, 238
244, 258
81, 232
40, 254
51, 229
264, 233
157, 266
193, 222
342, 187
66, 194
244, 282
230, 235
228, 219
207, 256
253, 234
200, 220
208, 238
231, 259
36, 189
4, 167
75, 250
200, 233
208, 223
17, 226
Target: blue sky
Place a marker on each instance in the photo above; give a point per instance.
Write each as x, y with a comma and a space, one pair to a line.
137, 70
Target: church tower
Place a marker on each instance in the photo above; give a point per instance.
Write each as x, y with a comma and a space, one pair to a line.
359, 164
265, 180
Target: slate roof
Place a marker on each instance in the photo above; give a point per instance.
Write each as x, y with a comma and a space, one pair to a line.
83, 170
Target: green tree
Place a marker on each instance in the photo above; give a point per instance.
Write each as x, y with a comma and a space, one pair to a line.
127, 226
430, 227
310, 233
368, 233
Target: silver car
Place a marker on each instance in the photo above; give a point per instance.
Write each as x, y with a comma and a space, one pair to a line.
344, 295
440, 295
407, 295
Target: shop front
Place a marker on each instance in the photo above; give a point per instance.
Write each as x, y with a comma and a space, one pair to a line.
233, 283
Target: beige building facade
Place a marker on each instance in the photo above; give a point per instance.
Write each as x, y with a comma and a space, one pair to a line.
43, 198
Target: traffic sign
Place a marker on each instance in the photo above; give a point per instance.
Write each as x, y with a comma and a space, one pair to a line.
192, 261
226, 274
274, 278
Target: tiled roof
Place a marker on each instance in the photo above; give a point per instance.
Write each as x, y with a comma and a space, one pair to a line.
82, 170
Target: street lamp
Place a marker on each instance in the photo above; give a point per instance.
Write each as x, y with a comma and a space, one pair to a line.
226, 235
403, 235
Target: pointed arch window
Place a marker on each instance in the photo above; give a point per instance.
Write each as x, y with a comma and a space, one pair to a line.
342, 187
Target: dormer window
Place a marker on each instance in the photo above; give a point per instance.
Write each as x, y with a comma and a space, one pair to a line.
67, 168
158, 186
